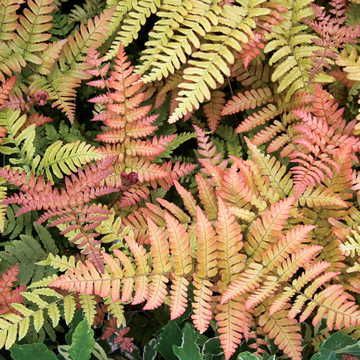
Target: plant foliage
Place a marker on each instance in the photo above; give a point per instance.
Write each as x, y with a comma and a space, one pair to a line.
180, 179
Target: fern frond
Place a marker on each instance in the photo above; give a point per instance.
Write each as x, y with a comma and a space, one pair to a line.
88, 306
233, 325
351, 247
58, 262
275, 172
8, 18
69, 71
213, 108
229, 244
32, 32
10, 62
350, 61
136, 16
292, 48
206, 269
268, 227
321, 197
14, 327
249, 99
258, 118
20, 139
179, 29
64, 159
160, 257
336, 306
212, 61
285, 332
2, 208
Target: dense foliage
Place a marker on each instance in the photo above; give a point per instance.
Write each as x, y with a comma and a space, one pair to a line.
180, 179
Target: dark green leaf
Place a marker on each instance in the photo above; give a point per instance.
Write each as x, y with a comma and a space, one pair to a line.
170, 335
82, 342
32, 351
188, 350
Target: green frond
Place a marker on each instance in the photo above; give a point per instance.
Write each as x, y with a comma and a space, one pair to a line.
291, 46
10, 62
86, 11
43, 303
32, 31
27, 252
209, 66
61, 263
8, 18
20, 139
137, 12
64, 159
176, 35
66, 75
270, 168
351, 247
116, 309
349, 59
174, 144
69, 307
88, 306
321, 197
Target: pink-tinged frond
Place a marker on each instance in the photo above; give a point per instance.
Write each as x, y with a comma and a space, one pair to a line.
206, 252
248, 280
285, 332
5, 89
141, 281
202, 312
175, 171
187, 198
207, 196
206, 148
213, 108
9, 292
321, 136
161, 266
175, 210
179, 246
268, 287
268, 228
157, 292
146, 171
336, 306
234, 189
286, 245
39, 119
178, 296
313, 271
230, 260
257, 118
134, 195
248, 99
267, 134
234, 324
